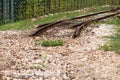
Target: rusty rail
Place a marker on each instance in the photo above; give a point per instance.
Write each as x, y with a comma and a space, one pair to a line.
84, 16
79, 29
42, 28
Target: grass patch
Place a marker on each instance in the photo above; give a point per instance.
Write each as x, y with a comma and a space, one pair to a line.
28, 24
49, 43
114, 42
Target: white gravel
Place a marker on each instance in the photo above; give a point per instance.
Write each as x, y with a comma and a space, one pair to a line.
78, 59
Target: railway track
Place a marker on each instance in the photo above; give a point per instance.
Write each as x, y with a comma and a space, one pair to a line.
78, 23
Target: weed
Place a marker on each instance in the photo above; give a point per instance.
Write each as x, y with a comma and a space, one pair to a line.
52, 43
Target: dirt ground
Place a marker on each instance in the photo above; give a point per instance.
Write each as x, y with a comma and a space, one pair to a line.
78, 59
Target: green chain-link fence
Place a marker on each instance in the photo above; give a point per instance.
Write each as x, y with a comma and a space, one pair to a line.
14, 10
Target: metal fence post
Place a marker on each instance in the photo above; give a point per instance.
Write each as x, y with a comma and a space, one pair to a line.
5, 15
48, 6
119, 2
59, 5
112, 2
1, 11
11, 10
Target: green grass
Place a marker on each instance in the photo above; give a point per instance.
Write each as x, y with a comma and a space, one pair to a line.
28, 24
114, 41
52, 43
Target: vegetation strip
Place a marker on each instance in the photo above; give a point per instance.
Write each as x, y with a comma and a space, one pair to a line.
30, 24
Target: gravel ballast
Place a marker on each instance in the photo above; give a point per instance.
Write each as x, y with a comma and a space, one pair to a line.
78, 59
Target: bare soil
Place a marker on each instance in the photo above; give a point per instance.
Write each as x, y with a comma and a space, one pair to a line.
78, 59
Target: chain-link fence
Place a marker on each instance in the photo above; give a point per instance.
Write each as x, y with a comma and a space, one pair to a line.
14, 10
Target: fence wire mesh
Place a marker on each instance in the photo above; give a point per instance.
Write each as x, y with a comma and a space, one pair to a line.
14, 10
